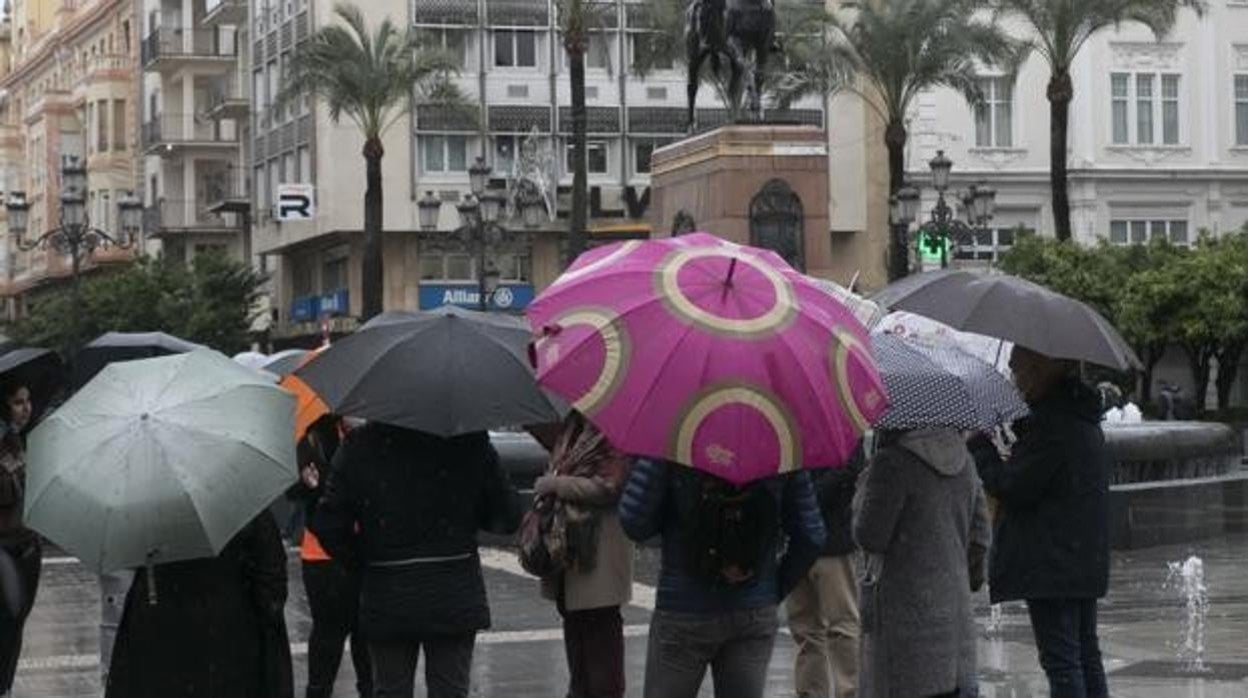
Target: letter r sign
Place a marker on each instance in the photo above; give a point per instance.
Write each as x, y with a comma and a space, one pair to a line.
295, 202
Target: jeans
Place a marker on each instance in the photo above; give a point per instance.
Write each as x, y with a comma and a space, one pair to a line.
1065, 631
594, 642
448, 666
823, 615
736, 645
334, 599
19, 583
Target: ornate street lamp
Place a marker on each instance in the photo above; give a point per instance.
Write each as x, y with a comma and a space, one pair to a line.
944, 225
903, 210
75, 236
941, 167
478, 176
429, 207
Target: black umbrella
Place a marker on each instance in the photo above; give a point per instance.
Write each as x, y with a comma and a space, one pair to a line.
446, 372
40, 370
1013, 309
125, 346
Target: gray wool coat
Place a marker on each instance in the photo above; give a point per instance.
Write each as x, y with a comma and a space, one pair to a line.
610, 582
921, 518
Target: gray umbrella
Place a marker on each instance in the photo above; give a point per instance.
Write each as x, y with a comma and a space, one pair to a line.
1016, 310
446, 372
941, 386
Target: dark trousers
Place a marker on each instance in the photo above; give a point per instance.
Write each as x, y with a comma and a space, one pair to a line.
448, 666
594, 642
736, 646
1070, 653
20, 566
334, 599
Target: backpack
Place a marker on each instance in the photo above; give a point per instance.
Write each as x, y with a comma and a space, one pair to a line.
733, 530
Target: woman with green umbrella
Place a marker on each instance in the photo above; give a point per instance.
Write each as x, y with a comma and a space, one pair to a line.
18, 544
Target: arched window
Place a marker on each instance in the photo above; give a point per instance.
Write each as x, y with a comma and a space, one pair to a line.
776, 223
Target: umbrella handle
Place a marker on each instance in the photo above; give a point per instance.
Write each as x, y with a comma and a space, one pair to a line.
150, 571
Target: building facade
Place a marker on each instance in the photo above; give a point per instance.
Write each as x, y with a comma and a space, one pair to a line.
70, 89
195, 126
1158, 142
513, 71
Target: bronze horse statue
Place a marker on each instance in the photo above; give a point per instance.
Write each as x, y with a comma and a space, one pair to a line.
735, 30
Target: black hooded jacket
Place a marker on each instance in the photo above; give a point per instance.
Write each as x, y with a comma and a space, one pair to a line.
1051, 535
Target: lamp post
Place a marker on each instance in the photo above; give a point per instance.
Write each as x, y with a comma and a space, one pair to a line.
75, 236
903, 209
944, 225
481, 228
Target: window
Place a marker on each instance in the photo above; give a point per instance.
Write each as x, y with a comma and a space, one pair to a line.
92, 125
505, 149
444, 153
453, 41
598, 49
647, 48
101, 125
1118, 88
994, 126
1155, 99
990, 245
259, 97
305, 165
119, 124
643, 152
273, 75
515, 49
284, 68
334, 269
1124, 232
1241, 110
210, 249
597, 156
262, 194
513, 268
275, 178
447, 267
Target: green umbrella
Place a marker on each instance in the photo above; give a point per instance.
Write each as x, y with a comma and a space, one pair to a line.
160, 460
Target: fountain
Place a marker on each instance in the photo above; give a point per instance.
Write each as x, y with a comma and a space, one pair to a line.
1175, 482
1188, 577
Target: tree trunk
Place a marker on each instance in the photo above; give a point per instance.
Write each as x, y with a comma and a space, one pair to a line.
1228, 372
899, 248
1061, 92
1200, 359
575, 44
1151, 355
372, 279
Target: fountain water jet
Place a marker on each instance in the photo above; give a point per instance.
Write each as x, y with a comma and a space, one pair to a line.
1188, 577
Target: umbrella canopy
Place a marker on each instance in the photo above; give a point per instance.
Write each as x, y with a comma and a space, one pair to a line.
251, 359
867, 312
708, 353
941, 386
910, 326
309, 406
160, 460
40, 370
126, 346
447, 371
1016, 310
285, 362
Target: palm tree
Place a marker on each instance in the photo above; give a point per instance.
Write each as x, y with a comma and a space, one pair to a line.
899, 49
576, 19
1060, 28
372, 80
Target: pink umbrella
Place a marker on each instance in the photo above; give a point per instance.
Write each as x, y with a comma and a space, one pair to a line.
707, 353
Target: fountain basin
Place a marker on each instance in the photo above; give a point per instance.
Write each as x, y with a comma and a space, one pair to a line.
1175, 482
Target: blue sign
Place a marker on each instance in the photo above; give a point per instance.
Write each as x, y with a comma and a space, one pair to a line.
305, 308
508, 297
335, 303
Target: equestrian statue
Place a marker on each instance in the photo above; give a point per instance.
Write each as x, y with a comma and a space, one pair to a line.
739, 32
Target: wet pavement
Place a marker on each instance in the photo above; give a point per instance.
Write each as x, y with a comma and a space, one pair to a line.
1142, 624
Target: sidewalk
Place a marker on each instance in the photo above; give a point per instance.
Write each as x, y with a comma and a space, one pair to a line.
522, 655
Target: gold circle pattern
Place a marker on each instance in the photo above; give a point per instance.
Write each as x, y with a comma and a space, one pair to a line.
617, 352
723, 395
782, 312
625, 249
845, 344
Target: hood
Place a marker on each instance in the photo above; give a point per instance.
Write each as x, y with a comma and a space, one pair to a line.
1074, 397
943, 450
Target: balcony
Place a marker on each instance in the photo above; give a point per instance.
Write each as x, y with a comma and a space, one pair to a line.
175, 216
218, 12
170, 131
228, 100
170, 48
224, 193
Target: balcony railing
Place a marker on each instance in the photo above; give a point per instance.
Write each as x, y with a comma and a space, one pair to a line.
225, 11
225, 192
171, 42
228, 100
170, 129
173, 215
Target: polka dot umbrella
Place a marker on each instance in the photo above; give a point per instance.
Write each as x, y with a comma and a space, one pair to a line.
707, 353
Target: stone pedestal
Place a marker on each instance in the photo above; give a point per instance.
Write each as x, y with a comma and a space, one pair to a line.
743, 183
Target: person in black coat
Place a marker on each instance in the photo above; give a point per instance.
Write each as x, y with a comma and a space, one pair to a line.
217, 629
405, 507
1051, 538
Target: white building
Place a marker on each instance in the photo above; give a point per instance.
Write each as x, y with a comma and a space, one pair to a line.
1158, 135
194, 126
514, 74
